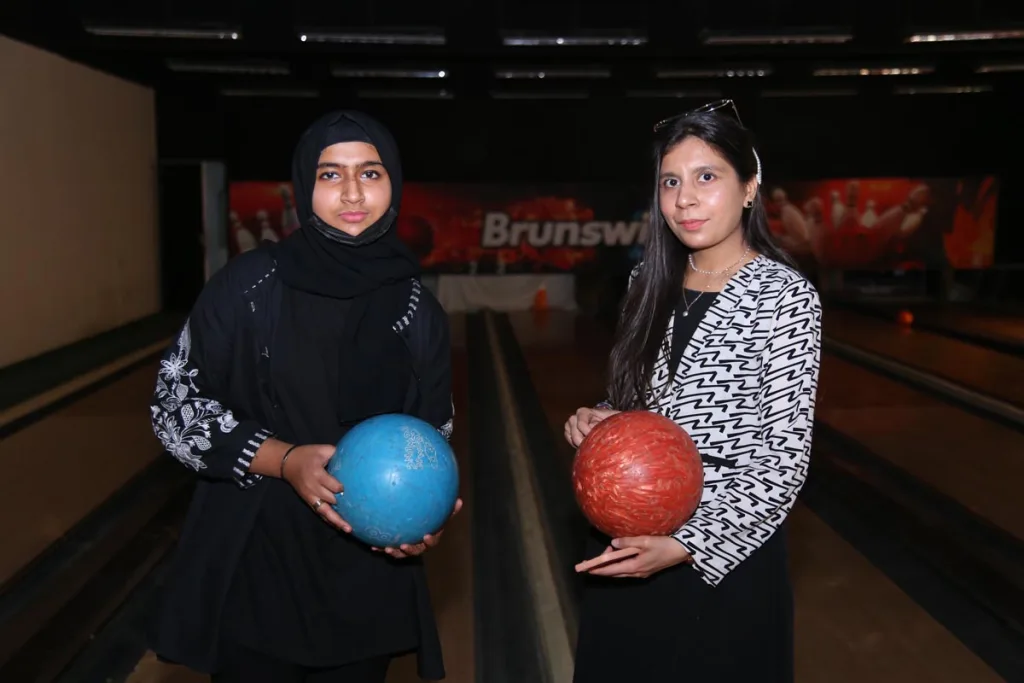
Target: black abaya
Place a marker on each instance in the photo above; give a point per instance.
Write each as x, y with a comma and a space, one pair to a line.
305, 593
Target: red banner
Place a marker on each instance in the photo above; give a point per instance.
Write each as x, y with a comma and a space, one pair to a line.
887, 223
852, 224
471, 228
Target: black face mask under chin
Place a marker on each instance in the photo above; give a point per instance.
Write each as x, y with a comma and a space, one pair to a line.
368, 236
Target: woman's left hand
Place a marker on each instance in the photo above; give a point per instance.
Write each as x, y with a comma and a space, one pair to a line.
636, 558
429, 541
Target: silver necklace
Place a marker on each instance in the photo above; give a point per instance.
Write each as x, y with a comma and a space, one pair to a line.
686, 303
720, 273
694, 267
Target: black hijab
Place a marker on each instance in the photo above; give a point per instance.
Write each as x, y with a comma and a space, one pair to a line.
322, 260
339, 359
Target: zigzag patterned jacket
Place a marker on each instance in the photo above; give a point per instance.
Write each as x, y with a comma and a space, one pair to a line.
745, 391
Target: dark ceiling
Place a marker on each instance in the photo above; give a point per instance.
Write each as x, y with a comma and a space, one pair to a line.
646, 49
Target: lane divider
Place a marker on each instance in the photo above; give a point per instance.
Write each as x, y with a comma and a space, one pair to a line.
551, 619
81, 384
958, 392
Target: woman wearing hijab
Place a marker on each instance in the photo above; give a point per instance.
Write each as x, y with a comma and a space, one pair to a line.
287, 348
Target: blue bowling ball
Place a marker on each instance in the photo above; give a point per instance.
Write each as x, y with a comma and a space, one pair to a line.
401, 480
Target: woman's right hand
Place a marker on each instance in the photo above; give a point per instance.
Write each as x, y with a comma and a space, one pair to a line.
305, 469
579, 425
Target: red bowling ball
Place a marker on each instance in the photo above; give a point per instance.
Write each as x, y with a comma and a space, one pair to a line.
637, 473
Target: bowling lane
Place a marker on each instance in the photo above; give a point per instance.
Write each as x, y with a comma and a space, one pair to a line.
973, 460
989, 372
59, 469
853, 622
567, 357
996, 326
983, 325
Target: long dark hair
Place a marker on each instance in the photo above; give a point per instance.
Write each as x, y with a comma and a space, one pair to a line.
648, 304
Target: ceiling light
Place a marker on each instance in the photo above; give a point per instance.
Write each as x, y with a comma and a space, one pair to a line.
161, 32
239, 68
340, 72
250, 92
871, 71
943, 90
789, 38
573, 41
999, 68
963, 36
519, 74
405, 94
728, 72
389, 38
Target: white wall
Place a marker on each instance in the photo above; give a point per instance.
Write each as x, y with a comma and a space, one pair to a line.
79, 248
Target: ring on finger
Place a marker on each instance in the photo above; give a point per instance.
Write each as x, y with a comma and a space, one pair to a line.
317, 503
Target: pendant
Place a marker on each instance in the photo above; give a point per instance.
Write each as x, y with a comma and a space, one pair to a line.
686, 313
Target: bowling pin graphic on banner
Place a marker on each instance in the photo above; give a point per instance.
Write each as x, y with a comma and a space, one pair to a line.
289, 216
869, 218
244, 239
266, 232
838, 210
796, 234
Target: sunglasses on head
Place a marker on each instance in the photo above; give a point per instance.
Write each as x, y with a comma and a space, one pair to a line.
725, 105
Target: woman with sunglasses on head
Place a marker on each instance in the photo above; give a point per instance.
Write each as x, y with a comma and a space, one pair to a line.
719, 333
287, 348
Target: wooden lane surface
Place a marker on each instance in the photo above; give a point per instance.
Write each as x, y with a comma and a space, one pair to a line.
1000, 327
975, 461
997, 374
58, 470
853, 624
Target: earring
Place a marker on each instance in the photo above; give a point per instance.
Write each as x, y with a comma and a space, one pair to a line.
748, 204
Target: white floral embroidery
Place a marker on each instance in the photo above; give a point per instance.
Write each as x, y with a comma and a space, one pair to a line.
185, 422
448, 427
446, 430
227, 422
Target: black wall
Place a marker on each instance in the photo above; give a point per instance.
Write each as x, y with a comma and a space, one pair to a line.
182, 255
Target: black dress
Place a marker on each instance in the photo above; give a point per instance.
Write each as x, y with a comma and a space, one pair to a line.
305, 593
673, 626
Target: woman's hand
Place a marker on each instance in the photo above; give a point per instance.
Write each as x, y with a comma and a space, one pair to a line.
579, 425
637, 557
429, 541
305, 469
